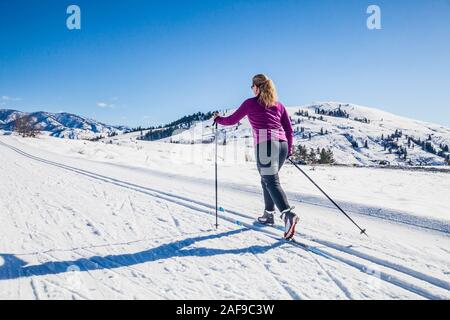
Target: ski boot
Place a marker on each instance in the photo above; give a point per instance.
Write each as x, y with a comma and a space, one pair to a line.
290, 222
267, 218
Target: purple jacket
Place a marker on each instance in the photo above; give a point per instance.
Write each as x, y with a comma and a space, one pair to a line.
268, 123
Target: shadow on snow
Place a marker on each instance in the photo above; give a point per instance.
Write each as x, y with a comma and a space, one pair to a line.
14, 268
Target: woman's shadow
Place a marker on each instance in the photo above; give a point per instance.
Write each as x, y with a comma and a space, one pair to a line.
14, 268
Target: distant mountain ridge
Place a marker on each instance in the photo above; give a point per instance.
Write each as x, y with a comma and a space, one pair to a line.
61, 125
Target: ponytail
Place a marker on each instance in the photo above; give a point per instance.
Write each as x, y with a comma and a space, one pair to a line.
267, 91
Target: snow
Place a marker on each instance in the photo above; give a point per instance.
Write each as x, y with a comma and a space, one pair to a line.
135, 220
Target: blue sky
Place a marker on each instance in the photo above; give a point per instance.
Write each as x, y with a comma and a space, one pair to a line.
148, 62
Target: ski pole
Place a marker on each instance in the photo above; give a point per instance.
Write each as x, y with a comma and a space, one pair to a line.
363, 231
217, 218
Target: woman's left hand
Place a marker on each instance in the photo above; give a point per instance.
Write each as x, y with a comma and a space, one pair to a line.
289, 154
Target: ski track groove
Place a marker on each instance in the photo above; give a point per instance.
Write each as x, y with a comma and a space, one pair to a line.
334, 279
134, 213
410, 272
291, 292
181, 234
180, 200
34, 289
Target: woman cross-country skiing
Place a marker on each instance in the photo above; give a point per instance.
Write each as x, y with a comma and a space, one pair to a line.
273, 136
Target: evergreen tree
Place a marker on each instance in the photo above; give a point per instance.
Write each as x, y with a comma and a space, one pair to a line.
326, 156
330, 157
312, 157
303, 153
300, 154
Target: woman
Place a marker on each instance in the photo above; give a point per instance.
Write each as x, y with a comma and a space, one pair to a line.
273, 136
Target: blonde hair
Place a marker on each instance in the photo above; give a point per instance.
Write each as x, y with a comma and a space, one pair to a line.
267, 91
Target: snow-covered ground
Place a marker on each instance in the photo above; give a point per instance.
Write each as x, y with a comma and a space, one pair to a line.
135, 220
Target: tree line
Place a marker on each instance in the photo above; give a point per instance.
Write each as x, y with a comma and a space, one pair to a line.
184, 123
301, 154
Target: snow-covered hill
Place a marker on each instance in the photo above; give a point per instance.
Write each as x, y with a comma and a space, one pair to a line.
357, 135
62, 125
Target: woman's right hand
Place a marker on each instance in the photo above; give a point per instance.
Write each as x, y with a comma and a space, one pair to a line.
215, 116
